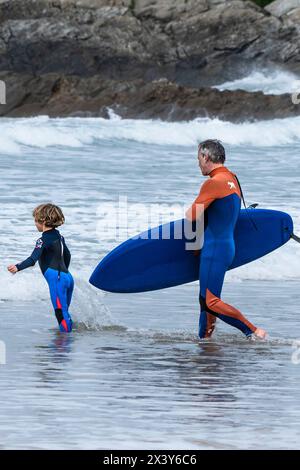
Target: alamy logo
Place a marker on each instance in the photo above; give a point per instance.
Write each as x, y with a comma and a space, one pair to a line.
296, 354
122, 220
2, 92
2, 353
231, 185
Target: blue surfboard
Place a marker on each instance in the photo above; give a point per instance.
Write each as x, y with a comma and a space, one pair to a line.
149, 262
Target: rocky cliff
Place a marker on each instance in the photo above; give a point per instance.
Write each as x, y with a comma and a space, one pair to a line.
146, 58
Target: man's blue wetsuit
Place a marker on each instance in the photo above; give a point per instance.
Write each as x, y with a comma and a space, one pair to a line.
54, 259
220, 197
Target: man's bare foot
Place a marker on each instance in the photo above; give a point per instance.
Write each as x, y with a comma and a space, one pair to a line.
260, 333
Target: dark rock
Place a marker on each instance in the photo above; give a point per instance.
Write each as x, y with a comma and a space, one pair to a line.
192, 43
56, 95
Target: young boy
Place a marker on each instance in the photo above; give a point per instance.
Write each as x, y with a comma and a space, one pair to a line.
54, 259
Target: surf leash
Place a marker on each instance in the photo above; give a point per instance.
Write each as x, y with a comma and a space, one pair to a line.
294, 237
246, 208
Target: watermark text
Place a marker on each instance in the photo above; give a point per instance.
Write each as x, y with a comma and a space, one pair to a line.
118, 221
2, 92
2, 353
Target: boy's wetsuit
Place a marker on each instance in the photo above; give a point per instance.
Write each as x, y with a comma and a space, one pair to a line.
220, 197
54, 259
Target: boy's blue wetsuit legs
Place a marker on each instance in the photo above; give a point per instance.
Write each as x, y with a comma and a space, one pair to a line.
61, 287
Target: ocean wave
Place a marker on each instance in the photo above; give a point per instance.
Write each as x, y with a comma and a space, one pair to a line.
275, 82
21, 135
280, 265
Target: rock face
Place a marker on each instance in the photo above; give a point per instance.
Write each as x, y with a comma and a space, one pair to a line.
289, 10
73, 96
280, 8
191, 44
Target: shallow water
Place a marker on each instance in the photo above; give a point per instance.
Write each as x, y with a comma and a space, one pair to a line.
144, 381
132, 374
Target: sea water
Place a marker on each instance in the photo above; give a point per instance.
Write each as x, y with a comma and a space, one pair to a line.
132, 374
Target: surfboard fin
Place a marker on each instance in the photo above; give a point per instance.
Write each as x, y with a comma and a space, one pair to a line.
294, 237
252, 206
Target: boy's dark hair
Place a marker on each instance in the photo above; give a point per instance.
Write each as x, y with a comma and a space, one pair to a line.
49, 214
213, 149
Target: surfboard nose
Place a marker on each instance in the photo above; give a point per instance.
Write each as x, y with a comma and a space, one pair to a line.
94, 279
100, 276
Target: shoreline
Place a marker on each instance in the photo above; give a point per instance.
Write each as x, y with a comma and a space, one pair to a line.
57, 96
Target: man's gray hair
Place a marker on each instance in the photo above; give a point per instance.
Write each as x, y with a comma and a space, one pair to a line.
213, 149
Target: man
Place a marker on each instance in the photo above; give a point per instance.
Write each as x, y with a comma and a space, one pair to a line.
220, 198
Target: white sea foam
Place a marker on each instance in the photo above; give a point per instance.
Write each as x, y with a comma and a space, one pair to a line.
282, 264
22, 134
88, 307
270, 82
